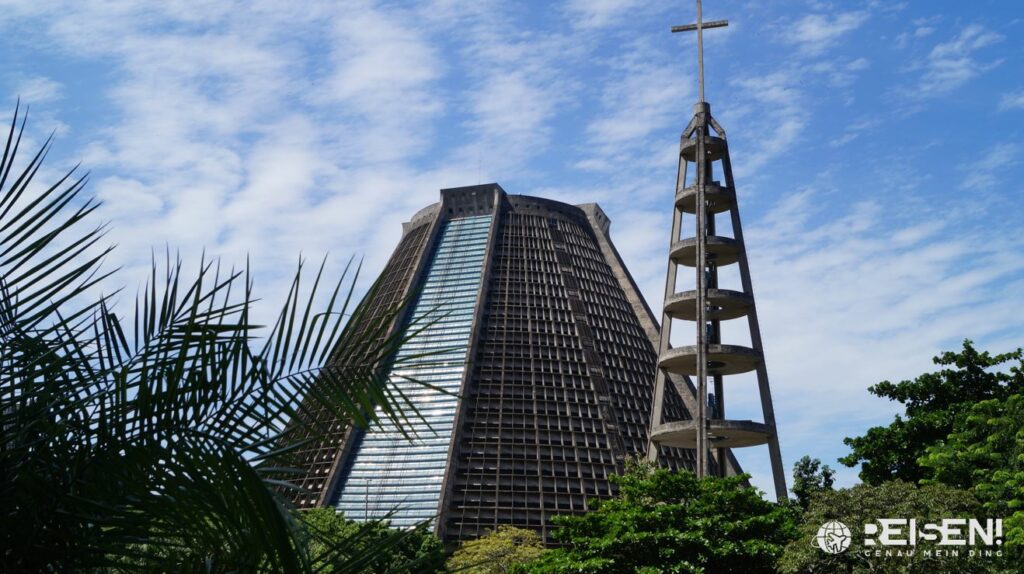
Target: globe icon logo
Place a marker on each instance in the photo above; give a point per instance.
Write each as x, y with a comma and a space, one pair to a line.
833, 537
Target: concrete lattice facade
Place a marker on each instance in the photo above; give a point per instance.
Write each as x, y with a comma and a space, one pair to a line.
547, 340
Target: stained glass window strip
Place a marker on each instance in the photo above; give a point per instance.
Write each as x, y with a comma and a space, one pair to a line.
390, 473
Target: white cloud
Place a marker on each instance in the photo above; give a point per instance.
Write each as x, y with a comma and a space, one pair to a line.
231, 137
846, 298
982, 174
952, 64
1012, 101
598, 13
843, 139
815, 33
39, 90
923, 31
853, 130
922, 28
866, 297
970, 39
775, 107
639, 97
841, 72
383, 80
512, 105
239, 134
517, 84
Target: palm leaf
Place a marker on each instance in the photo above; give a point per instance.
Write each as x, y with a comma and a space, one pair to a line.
161, 442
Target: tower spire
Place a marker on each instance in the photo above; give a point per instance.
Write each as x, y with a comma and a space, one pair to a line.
703, 155
700, 26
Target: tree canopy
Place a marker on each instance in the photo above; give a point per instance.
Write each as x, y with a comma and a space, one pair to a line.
985, 454
665, 522
498, 552
810, 476
340, 545
863, 504
933, 403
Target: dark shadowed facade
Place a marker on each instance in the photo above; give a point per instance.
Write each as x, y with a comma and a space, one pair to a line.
521, 306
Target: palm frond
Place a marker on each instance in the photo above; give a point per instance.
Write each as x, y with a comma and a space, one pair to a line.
156, 441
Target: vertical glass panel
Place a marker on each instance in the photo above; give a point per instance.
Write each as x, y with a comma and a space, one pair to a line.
392, 474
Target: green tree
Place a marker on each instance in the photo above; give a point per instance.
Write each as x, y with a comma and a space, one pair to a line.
672, 522
809, 477
158, 439
985, 454
864, 504
342, 545
497, 552
933, 402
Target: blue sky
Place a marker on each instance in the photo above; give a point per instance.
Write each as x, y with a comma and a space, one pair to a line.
877, 148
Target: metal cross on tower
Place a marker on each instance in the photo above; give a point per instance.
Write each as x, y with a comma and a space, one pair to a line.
700, 26
703, 154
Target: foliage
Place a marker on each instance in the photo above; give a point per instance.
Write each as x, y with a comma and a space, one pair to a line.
933, 403
809, 477
672, 522
338, 541
155, 439
862, 504
497, 552
985, 453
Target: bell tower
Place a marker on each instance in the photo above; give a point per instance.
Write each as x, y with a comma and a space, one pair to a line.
704, 202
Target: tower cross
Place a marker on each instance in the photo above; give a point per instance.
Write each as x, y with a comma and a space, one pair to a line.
700, 26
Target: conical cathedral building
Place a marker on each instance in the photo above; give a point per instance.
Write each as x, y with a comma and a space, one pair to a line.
543, 356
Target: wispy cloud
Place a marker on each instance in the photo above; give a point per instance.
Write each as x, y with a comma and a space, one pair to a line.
841, 72
515, 86
982, 174
383, 82
832, 292
639, 97
39, 90
853, 130
815, 33
952, 64
1012, 101
923, 28
775, 107
264, 131
598, 13
233, 137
